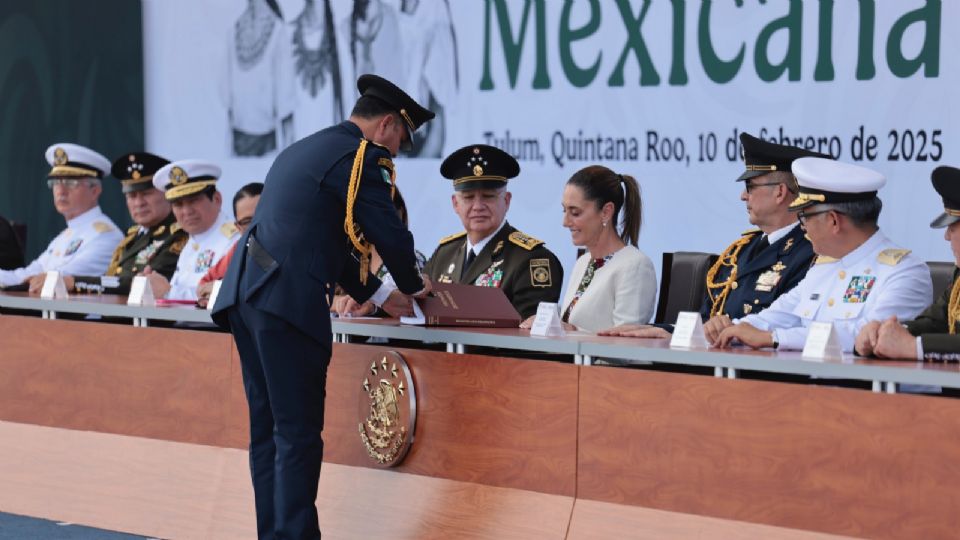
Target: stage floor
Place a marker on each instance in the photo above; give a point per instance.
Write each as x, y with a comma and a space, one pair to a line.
163, 489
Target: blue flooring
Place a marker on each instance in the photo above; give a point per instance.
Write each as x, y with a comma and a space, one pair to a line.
14, 527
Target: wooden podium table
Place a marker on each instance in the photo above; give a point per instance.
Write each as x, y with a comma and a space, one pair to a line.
530, 448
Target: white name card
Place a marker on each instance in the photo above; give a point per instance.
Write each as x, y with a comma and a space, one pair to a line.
688, 332
213, 294
53, 287
547, 323
141, 293
822, 342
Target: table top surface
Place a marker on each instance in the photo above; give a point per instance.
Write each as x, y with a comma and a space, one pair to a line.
623, 349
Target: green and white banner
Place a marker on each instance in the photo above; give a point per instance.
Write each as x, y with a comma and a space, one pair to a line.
659, 90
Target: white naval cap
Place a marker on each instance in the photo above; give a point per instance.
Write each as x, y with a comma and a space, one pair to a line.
70, 160
825, 181
185, 177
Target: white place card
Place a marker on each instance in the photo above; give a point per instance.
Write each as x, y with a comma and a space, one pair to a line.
141, 293
547, 323
822, 342
688, 332
213, 294
53, 287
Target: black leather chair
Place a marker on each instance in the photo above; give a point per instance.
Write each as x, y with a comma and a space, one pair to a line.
682, 283
942, 275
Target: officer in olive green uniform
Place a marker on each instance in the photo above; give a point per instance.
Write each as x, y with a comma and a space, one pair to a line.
157, 244
936, 328
491, 253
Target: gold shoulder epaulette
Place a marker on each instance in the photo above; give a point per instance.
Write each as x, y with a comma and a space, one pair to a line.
452, 237
133, 229
178, 246
102, 227
160, 230
823, 259
175, 227
750, 232
228, 229
892, 257
524, 241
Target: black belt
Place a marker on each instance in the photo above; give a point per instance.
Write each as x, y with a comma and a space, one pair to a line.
259, 255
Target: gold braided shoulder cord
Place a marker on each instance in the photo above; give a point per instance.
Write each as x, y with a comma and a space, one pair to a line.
349, 225
953, 310
727, 258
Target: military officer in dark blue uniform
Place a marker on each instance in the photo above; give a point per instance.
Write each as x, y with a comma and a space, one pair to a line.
764, 262
326, 202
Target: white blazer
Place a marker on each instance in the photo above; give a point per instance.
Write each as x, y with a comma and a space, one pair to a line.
622, 291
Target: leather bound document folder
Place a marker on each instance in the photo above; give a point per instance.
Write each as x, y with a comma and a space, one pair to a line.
452, 304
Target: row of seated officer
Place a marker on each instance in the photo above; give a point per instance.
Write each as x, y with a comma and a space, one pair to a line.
817, 254
180, 231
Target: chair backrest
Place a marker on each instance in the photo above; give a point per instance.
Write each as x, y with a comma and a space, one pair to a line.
942, 275
683, 283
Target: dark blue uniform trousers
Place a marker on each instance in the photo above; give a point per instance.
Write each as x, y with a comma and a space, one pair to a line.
284, 375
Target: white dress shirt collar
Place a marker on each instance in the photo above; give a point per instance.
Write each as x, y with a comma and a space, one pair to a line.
478, 247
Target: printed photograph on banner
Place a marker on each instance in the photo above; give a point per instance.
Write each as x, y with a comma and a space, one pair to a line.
289, 64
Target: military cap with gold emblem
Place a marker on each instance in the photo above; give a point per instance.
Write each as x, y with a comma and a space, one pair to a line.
136, 169
412, 113
186, 177
479, 166
762, 157
825, 181
69, 160
946, 180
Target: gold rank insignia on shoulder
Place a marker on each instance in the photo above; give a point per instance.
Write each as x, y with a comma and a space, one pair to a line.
823, 259
228, 229
178, 246
452, 237
750, 232
175, 227
102, 227
540, 273
160, 230
892, 257
133, 229
525, 241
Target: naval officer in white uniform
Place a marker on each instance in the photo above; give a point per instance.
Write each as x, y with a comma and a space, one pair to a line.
859, 274
86, 245
191, 187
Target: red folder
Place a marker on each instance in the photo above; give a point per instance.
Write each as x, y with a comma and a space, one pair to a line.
453, 304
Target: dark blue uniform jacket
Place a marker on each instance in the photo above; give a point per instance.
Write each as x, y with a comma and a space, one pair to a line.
299, 223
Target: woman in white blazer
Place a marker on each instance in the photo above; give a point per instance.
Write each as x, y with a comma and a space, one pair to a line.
612, 283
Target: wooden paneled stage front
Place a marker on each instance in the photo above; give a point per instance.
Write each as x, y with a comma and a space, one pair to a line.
511, 448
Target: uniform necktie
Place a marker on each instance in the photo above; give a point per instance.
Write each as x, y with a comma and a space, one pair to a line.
471, 255
763, 244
